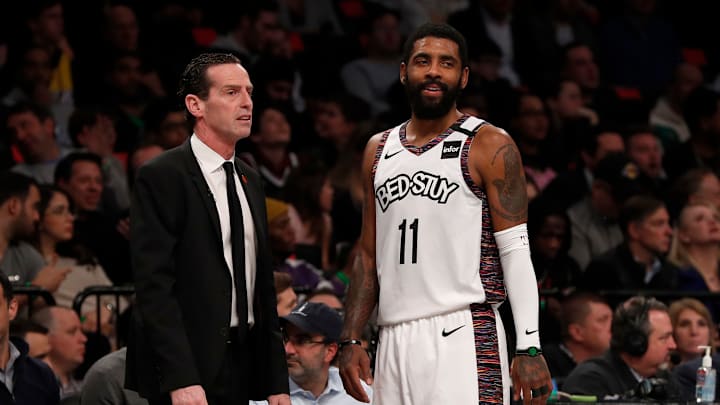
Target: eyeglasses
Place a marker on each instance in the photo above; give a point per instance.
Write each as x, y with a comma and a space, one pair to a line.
60, 211
301, 340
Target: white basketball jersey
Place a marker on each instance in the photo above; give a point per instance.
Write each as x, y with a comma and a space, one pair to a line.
429, 227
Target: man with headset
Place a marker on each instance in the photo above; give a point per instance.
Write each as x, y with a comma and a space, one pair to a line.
642, 339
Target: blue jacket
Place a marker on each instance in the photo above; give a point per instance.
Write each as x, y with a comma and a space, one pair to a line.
34, 382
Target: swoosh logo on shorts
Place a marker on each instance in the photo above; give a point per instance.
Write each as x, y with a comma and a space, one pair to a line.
448, 333
530, 332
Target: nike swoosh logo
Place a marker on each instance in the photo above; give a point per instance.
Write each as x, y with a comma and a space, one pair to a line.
448, 333
389, 155
530, 332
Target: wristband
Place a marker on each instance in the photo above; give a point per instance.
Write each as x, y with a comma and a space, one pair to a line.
349, 342
531, 351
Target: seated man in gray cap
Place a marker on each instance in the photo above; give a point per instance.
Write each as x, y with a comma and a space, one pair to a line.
311, 333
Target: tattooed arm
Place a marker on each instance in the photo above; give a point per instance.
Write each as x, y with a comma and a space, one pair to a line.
364, 289
497, 167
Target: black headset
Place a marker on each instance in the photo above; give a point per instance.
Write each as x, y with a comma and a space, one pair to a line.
629, 333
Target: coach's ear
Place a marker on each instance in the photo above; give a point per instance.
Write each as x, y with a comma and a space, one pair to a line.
194, 105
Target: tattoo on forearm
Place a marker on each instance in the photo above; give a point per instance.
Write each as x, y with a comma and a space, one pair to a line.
361, 300
511, 188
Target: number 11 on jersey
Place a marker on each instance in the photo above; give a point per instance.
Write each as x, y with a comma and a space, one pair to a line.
414, 228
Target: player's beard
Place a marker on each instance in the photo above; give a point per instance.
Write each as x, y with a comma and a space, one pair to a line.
425, 109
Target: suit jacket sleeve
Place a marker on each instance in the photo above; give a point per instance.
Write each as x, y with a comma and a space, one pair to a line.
156, 217
587, 379
272, 376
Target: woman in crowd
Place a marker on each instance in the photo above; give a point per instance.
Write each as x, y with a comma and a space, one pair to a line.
692, 327
54, 241
695, 251
310, 196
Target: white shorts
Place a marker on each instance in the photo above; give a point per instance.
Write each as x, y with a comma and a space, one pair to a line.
455, 358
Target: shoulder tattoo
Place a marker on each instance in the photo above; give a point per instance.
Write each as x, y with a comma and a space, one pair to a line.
512, 195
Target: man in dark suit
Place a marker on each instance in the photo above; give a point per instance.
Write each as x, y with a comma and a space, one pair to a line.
640, 345
205, 329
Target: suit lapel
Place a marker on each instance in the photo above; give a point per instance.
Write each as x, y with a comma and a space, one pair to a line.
202, 188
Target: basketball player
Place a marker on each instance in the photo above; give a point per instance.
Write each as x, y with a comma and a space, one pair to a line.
444, 237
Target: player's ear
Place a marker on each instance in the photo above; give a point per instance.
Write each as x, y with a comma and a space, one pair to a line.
465, 76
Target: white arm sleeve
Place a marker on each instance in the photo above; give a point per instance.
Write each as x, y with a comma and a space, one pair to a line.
519, 275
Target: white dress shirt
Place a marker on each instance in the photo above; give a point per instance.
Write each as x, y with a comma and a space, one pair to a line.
211, 165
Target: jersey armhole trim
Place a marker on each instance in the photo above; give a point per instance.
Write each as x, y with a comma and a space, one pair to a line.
378, 153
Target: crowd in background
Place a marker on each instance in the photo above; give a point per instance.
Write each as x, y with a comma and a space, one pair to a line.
614, 106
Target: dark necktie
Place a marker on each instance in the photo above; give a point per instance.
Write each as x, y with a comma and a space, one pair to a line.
237, 238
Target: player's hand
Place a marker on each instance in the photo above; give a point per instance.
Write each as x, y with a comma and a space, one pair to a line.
279, 399
531, 377
192, 395
354, 366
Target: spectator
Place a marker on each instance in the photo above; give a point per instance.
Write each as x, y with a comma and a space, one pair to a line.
277, 80
585, 327
286, 297
530, 129
692, 327
578, 64
570, 121
164, 123
327, 297
67, 346
252, 31
594, 218
304, 17
560, 23
105, 380
311, 334
667, 115
120, 33
19, 261
699, 184
80, 176
370, 77
702, 149
310, 196
25, 380
305, 276
555, 270
614, 104
32, 130
644, 148
642, 338
686, 376
571, 186
140, 156
32, 74
639, 261
55, 231
46, 25
93, 130
126, 95
695, 251
496, 21
268, 151
36, 337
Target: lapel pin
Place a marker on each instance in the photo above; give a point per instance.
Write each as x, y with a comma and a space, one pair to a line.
243, 178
